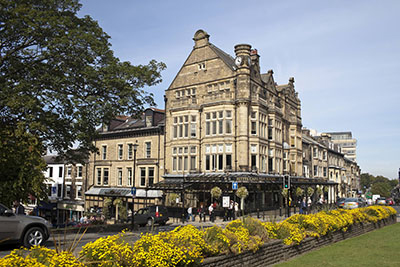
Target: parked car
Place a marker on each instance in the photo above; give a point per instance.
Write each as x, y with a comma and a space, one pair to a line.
340, 202
23, 229
151, 215
381, 201
363, 202
389, 201
352, 203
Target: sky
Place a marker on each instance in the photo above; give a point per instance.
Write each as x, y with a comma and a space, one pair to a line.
344, 56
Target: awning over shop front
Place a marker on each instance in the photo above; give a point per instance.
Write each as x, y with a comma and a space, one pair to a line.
122, 192
70, 206
180, 181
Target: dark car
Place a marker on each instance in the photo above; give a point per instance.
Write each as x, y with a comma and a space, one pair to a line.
151, 215
26, 230
340, 202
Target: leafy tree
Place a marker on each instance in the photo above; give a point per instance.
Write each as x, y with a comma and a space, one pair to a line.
59, 81
381, 188
21, 166
380, 185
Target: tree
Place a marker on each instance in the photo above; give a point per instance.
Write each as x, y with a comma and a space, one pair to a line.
380, 185
21, 166
59, 79
381, 188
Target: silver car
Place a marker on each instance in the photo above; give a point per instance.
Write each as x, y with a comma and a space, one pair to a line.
352, 203
26, 230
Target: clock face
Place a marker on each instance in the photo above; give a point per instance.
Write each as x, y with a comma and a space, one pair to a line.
238, 61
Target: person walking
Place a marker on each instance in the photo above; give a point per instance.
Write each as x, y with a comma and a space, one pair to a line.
200, 211
236, 210
230, 210
211, 212
303, 206
190, 214
19, 209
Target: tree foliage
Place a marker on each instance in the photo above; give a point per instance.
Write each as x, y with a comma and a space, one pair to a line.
378, 185
60, 80
21, 166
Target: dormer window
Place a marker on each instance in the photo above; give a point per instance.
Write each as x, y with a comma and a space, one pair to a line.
148, 121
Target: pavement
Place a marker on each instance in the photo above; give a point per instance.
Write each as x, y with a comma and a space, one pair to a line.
65, 240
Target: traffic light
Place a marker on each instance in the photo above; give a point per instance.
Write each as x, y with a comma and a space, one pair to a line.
286, 181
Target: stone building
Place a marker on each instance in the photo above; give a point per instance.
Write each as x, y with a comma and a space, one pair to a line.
228, 122
223, 114
224, 123
346, 142
130, 154
315, 157
323, 158
66, 185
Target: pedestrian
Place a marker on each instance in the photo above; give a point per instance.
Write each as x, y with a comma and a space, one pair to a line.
309, 202
201, 213
211, 212
236, 210
230, 210
190, 214
19, 209
303, 206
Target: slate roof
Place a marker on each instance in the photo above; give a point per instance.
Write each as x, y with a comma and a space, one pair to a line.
228, 59
265, 77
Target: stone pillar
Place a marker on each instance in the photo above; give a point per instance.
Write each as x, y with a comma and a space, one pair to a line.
243, 63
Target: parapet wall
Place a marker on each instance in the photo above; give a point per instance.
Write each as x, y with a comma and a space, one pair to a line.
275, 251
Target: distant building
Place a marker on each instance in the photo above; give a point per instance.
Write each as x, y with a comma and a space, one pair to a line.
65, 183
346, 143
113, 171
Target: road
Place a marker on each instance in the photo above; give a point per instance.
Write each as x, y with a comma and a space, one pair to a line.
130, 237
66, 240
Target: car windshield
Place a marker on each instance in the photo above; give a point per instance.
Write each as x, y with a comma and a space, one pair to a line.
2, 209
351, 200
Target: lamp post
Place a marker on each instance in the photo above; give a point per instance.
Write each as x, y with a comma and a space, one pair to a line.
135, 146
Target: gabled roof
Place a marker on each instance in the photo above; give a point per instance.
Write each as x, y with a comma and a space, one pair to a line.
133, 123
310, 140
52, 159
226, 58
265, 77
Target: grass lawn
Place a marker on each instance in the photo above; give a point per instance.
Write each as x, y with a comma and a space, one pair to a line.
377, 248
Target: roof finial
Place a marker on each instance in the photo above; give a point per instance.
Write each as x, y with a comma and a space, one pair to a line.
201, 38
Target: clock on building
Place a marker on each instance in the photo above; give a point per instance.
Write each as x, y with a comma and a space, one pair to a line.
238, 61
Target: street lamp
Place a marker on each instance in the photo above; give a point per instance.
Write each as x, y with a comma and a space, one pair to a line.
133, 191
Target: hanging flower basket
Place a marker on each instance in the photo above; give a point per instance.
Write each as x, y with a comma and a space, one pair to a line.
117, 202
299, 191
216, 192
310, 191
107, 202
285, 192
319, 191
242, 192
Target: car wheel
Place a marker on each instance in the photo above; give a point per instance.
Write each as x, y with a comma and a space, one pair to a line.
34, 237
150, 222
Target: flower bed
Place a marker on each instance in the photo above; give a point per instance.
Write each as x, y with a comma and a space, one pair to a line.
188, 246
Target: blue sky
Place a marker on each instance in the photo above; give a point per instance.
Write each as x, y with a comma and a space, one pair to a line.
344, 55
